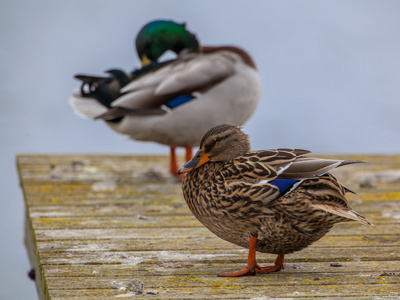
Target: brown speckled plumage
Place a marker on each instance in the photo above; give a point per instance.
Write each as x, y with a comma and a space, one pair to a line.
230, 192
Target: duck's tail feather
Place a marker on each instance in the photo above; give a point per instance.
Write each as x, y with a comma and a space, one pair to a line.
87, 108
348, 214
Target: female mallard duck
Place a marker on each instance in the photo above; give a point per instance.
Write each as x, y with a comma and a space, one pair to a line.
272, 201
176, 101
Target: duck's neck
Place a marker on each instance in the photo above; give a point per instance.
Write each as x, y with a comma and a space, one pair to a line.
242, 53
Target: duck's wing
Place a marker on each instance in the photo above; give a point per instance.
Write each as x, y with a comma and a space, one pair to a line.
268, 167
288, 164
251, 175
263, 165
188, 74
328, 194
309, 167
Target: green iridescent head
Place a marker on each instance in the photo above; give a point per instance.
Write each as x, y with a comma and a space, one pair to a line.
157, 37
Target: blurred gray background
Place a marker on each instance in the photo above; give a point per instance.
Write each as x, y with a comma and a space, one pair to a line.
330, 76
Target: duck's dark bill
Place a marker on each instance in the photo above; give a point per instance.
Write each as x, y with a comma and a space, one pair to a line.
198, 159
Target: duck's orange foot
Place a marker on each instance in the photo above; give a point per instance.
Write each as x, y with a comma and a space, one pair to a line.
248, 271
278, 265
253, 269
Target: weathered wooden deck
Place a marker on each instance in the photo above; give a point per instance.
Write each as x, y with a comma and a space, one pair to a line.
99, 226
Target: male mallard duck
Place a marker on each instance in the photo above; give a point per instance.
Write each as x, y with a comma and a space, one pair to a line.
176, 101
272, 201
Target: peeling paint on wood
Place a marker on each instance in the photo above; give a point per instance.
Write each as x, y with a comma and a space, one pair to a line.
101, 226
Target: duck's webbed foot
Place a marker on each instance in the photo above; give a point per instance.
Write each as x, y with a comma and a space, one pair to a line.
278, 265
252, 267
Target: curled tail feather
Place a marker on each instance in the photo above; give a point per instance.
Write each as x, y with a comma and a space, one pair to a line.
348, 214
87, 108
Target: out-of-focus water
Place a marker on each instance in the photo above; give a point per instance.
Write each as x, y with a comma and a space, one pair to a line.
330, 75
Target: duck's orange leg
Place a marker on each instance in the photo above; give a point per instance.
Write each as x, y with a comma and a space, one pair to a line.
173, 163
252, 267
189, 153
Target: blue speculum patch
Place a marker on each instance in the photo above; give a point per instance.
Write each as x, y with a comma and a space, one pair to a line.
179, 101
284, 185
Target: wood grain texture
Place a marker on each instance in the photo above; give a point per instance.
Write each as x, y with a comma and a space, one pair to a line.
97, 224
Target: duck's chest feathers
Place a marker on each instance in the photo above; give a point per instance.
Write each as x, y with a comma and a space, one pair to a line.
231, 218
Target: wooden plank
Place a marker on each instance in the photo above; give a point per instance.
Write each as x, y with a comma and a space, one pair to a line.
187, 281
157, 243
197, 255
212, 268
31, 248
238, 292
97, 222
350, 229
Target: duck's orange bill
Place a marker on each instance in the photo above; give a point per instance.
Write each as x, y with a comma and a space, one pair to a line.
200, 158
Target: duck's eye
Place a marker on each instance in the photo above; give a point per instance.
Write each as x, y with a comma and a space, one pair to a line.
218, 139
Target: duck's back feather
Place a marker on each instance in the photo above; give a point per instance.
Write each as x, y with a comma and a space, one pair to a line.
198, 73
281, 171
186, 75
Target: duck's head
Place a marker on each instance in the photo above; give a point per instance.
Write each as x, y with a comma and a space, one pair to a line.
157, 37
219, 144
